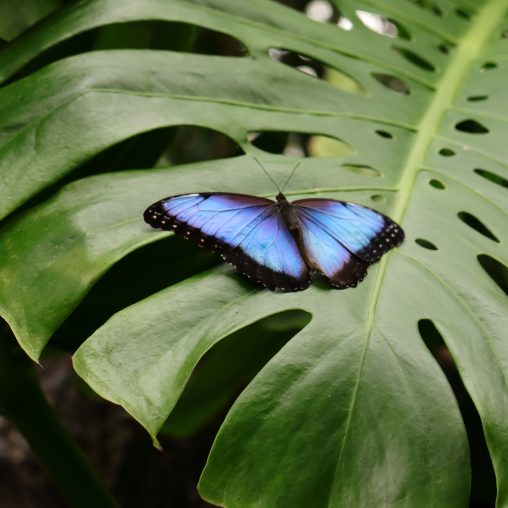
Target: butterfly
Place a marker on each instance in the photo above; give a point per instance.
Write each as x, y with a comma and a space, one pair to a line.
280, 243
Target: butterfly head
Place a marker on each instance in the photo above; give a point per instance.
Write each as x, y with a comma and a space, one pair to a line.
281, 198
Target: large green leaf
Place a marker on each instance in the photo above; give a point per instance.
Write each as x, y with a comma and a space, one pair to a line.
17, 15
353, 411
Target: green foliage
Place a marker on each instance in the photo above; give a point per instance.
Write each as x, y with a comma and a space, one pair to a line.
15, 17
353, 410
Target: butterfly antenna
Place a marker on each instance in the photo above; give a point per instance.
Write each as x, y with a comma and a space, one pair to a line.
267, 174
289, 177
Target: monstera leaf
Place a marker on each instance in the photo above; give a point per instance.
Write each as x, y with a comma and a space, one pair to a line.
353, 410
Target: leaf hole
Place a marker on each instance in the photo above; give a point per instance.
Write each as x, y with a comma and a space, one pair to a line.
298, 144
475, 223
488, 66
429, 6
462, 13
477, 98
434, 342
415, 59
436, 345
496, 270
192, 143
446, 152
227, 367
382, 25
162, 35
483, 481
160, 148
384, 134
437, 184
320, 10
148, 34
345, 23
425, 244
392, 83
317, 69
325, 146
433, 339
323, 11
361, 169
444, 48
111, 294
378, 198
471, 127
492, 177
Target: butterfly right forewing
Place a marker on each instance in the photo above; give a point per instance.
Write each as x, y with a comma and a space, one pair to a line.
341, 239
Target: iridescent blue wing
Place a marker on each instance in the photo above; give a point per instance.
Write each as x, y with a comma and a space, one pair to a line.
247, 231
340, 239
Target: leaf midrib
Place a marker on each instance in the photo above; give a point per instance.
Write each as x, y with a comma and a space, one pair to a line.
466, 52
465, 55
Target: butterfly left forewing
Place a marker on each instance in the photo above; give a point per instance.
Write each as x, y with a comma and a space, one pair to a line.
246, 230
206, 219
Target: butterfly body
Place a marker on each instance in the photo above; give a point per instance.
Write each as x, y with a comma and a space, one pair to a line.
280, 243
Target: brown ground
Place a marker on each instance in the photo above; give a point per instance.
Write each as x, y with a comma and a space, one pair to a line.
136, 473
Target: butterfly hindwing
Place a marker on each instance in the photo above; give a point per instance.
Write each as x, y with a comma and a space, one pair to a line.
324, 254
342, 239
247, 231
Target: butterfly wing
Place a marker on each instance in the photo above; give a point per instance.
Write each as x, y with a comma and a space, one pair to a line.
247, 231
341, 239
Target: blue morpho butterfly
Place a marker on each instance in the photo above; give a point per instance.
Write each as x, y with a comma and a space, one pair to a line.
278, 243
